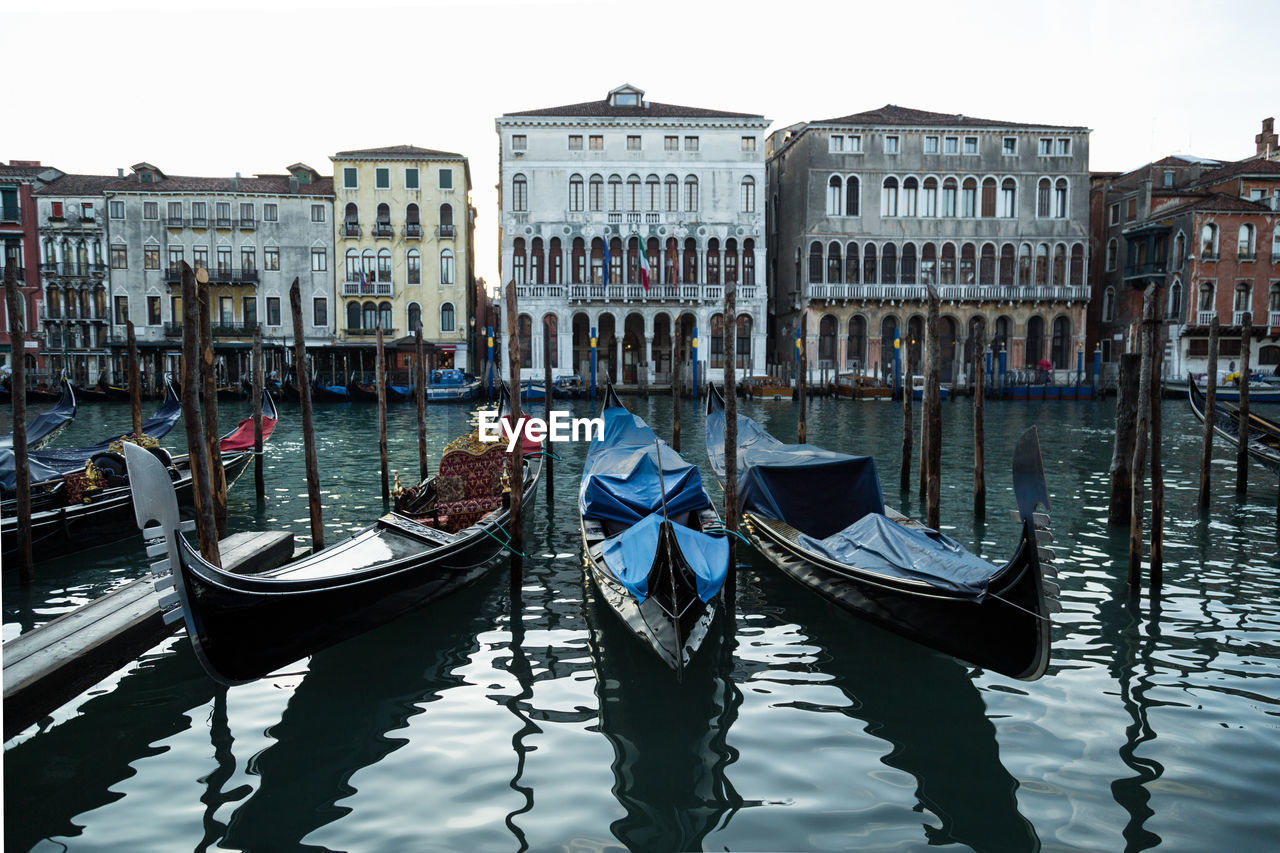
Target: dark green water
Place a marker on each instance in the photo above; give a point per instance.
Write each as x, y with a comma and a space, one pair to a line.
462, 728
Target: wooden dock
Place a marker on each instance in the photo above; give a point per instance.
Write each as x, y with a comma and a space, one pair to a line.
47, 667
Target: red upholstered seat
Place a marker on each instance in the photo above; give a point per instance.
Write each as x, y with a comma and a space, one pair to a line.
469, 485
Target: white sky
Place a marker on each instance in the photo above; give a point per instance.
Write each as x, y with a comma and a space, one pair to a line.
254, 87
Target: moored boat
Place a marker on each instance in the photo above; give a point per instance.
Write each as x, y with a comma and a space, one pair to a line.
450, 385
1263, 433
767, 388
820, 517
44, 426
860, 386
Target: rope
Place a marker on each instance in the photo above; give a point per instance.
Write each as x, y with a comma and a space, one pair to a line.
744, 539
506, 544
1019, 607
550, 453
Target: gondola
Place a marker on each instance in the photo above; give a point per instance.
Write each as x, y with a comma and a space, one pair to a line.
399, 393
1264, 433
362, 392
321, 393
74, 511
91, 393
819, 516
643, 511
440, 536
42, 428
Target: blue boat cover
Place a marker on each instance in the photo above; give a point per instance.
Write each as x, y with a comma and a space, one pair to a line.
875, 543
817, 491
448, 376
630, 554
620, 479
46, 422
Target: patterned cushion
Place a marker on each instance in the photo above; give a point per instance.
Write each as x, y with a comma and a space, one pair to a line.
469, 485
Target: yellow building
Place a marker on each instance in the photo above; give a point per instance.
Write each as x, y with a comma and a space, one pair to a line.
403, 240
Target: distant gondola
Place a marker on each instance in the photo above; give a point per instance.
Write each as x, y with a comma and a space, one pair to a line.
362, 392
643, 510
400, 393
439, 537
1264, 433
321, 393
819, 516
42, 428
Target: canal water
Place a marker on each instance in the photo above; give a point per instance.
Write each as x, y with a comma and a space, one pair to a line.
535, 721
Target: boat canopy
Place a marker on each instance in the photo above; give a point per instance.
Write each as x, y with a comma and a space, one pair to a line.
630, 555
448, 376
45, 423
816, 491
620, 480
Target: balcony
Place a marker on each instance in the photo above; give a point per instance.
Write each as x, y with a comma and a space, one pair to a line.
173, 330
73, 270
354, 332
1205, 318
413, 231
1273, 318
227, 275
1237, 317
246, 224
230, 329
351, 229
221, 222
444, 232
948, 293
368, 288
175, 223
19, 273
1150, 269
199, 222
626, 293
615, 218
382, 230
652, 218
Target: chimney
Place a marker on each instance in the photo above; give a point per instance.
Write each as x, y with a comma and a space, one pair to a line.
1266, 141
120, 171
236, 186
293, 183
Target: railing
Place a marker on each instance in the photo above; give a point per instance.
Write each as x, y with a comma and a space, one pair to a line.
73, 269
231, 330
199, 222
1205, 318
352, 229
382, 230
1237, 317
632, 292
385, 332
615, 218
1246, 257
949, 292
1273, 319
1208, 256
175, 223
173, 330
229, 274
444, 232
413, 231
652, 218
18, 273
1151, 268
368, 288
633, 218
220, 222
246, 224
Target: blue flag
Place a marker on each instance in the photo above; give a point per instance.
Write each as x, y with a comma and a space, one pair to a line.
606, 260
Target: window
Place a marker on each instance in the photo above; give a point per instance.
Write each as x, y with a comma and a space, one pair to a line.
633, 193
815, 262
1168, 177
199, 214
413, 266
273, 310
929, 198
349, 177
891, 144
519, 193
596, 194
223, 210
910, 193
836, 143
200, 257
575, 142
1209, 241
949, 197
615, 192
1245, 243
1108, 305
748, 195
411, 177
317, 213
1114, 214
1009, 198
414, 317
575, 193
1009, 146
446, 179
382, 178
671, 192
652, 193
969, 198
270, 213
971, 145
1063, 148
1060, 198
951, 145
320, 311
691, 143
670, 143
446, 317
691, 193
119, 257
151, 257
835, 196
153, 311
748, 143
1046, 147
175, 258
1113, 251
249, 311
150, 210
851, 196
853, 144
519, 142
1042, 198
931, 145
246, 213
1131, 210
175, 212
889, 197
446, 267
319, 259
988, 197
595, 142
271, 258
122, 310
633, 143
116, 209
224, 259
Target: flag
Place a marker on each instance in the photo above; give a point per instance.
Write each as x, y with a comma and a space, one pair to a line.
644, 267
675, 263
364, 282
605, 240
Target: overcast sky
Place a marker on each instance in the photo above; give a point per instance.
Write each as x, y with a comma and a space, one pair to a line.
254, 87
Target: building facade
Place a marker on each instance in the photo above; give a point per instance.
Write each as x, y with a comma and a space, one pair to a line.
403, 236
868, 209
19, 256
593, 193
252, 235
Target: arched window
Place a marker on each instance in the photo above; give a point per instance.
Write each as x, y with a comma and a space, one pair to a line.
888, 332
369, 263
835, 266
595, 196
835, 196
1001, 338
815, 262
653, 193
446, 266
412, 221
555, 256
908, 270
1208, 304
413, 266
1060, 198
855, 350
550, 330
1061, 348
413, 317
1244, 302
1209, 241
352, 265
947, 269
889, 197
713, 261
1043, 188
579, 260
519, 269
949, 189
1179, 251
1035, 341
615, 192
653, 254
384, 265
747, 195
446, 220
1275, 247
671, 192
369, 315
447, 323
1009, 198
353, 316
352, 213
1175, 301
382, 227
536, 262
827, 339
988, 197
524, 332
851, 196
889, 264
1008, 264
852, 266
1108, 305
386, 316
575, 192
1245, 245
671, 261
1024, 265
1060, 264
1113, 251
633, 193
929, 264
1042, 265
968, 264
748, 261
987, 267
910, 196
691, 193
742, 348
869, 275
616, 260
1077, 265
969, 198
929, 198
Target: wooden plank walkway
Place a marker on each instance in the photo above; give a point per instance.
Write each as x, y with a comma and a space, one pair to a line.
47, 667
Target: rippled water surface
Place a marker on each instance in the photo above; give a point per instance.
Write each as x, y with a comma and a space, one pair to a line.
496, 720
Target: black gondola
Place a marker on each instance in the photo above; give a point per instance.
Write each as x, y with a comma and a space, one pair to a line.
43, 427
71, 512
245, 626
1264, 433
362, 392
819, 516
643, 511
321, 393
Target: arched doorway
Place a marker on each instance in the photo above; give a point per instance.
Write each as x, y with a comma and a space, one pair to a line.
606, 347
661, 354
581, 345
947, 349
632, 348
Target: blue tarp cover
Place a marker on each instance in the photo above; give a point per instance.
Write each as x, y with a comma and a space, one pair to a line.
629, 555
45, 422
620, 478
877, 544
817, 491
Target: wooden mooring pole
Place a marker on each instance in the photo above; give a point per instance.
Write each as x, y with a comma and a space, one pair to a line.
979, 428
1126, 425
933, 417
905, 480
516, 463
1157, 460
731, 434
135, 380
1242, 443
1139, 470
381, 375
546, 394
22, 474
803, 376
308, 424
420, 386
259, 383
193, 419
675, 406
1210, 398
218, 479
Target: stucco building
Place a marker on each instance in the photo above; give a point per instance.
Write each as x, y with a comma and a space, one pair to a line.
20, 254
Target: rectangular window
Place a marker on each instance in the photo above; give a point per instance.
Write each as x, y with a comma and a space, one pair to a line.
317, 213
249, 311
224, 259
320, 312
595, 142
199, 214
119, 257
691, 143
270, 213
176, 258
151, 257
246, 213
837, 143
248, 258
175, 309
519, 142
1064, 148
200, 256
969, 201
319, 260
446, 179
1046, 146
175, 213
150, 210
1130, 210
670, 143
411, 178
348, 177
748, 143
226, 311
271, 258
153, 311
633, 143
931, 145
971, 145
891, 145
116, 209
382, 178
853, 144
86, 210
122, 310
1115, 214
223, 210
273, 310
951, 145
1010, 146
575, 142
